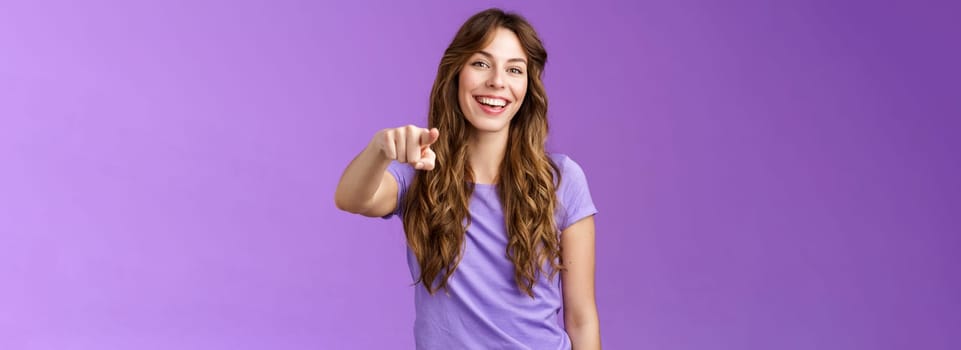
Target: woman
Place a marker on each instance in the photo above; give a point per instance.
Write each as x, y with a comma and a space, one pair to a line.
491, 218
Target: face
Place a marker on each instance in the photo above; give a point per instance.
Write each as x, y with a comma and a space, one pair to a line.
493, 83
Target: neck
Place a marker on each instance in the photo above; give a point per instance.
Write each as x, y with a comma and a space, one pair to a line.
486, 154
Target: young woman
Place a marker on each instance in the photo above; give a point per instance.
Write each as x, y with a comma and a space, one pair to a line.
491, 218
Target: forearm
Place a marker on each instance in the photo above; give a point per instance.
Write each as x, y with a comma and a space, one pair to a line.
585, 335
361, 179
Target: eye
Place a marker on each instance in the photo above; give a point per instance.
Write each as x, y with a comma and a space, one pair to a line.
515, 71
481, 64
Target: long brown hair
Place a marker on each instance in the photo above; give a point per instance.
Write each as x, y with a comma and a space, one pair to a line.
436, 206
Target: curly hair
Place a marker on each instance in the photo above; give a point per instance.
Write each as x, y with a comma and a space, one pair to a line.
436, 205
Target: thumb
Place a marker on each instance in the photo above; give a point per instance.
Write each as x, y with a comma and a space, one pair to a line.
428, 160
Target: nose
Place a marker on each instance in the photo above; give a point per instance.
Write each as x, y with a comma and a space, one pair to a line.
496, 79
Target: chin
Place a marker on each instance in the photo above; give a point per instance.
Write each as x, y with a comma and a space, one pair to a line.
487, 124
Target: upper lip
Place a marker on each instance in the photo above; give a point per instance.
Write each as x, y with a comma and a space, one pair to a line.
497, 97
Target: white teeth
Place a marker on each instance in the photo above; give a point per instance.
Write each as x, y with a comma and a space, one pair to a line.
492, 101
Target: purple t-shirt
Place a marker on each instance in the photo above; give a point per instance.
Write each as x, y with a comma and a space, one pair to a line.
485, 309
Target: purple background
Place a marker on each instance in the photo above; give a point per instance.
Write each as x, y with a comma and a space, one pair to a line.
770, 175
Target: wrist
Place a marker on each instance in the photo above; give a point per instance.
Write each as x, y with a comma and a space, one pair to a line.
376, 152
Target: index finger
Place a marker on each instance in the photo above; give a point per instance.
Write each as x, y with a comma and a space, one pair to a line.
428, 137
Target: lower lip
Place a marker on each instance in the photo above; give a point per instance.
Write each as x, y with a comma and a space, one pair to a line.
491, 110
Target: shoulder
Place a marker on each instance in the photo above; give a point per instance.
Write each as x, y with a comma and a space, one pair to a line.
572, 178
573, 192
567, 167
558, 158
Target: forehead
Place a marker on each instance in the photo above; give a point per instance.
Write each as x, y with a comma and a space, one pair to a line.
505, 45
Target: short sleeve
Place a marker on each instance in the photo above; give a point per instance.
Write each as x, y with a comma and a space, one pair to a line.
404, 174
574, 194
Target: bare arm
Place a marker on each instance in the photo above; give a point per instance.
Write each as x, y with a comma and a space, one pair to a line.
366, 187
580, 306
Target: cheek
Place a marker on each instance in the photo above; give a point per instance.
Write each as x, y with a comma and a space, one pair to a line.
463, 88
463, 95
521, 91
468, 81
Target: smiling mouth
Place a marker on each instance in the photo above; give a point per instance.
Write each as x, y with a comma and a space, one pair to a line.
491, 105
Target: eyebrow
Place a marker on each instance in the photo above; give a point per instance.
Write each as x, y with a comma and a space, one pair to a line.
485, 53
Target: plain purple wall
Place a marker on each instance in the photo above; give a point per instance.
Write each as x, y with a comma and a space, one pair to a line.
769, 175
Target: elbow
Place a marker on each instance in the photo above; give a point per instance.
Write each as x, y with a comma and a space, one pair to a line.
349, 206
343, 204
585, 332
576, 325
340, 205
585, 318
